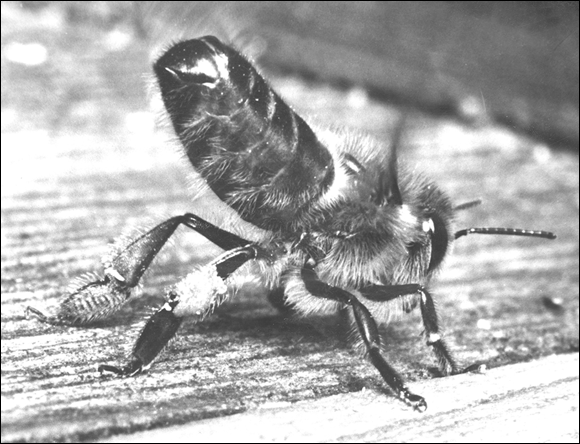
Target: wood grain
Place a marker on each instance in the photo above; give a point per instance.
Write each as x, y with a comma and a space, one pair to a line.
527, 402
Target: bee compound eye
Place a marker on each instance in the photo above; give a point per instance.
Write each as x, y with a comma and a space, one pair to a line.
439, 240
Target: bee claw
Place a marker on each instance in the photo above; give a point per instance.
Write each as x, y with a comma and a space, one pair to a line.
50, 319
36, 313
475, 368
417, 402
103, 368
133, 368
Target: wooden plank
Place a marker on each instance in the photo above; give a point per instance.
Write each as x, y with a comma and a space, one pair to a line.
528, 402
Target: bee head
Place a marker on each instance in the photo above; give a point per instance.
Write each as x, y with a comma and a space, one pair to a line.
420, 202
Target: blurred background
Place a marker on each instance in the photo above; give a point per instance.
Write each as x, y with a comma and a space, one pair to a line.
491, 89
514, 62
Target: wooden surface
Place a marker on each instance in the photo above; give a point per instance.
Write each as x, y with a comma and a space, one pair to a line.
527, 402
71, 184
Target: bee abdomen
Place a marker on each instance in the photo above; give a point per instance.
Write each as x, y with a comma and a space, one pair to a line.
255, 152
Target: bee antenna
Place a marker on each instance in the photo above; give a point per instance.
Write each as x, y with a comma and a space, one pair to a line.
388, 188
506, 231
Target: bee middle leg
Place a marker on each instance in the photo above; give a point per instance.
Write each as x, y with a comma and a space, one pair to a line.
197, 295
369, 332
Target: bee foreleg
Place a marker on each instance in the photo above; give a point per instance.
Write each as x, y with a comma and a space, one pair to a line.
447, 363
197, 295
369, 332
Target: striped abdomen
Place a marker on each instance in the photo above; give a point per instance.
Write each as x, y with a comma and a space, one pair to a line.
256, 154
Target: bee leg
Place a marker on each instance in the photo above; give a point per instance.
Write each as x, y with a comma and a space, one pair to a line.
197, 295
447, 364
160, 328
383, 293
223, 239
369, 332
102, 297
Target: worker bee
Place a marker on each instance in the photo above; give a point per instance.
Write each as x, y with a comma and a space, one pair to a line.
334, 223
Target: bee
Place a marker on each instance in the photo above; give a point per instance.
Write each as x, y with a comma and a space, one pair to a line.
334, 223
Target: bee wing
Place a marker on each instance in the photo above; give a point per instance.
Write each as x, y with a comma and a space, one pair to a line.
254, 151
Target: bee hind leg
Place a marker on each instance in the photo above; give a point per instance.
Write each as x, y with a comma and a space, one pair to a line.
369, 332
100, 298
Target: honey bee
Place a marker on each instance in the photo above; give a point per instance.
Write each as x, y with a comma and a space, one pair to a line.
335, 223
